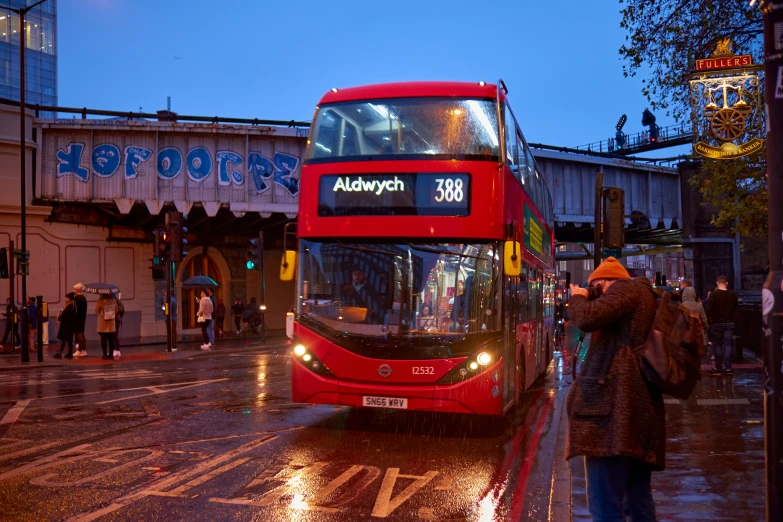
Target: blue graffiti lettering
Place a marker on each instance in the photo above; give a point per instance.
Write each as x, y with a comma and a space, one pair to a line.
70, 162
135, 156
261, 170
169, 163
199, 163
224, 159
284, 172
105, 160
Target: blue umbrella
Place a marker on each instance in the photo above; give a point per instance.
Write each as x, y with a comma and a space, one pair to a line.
98, 288
199, 282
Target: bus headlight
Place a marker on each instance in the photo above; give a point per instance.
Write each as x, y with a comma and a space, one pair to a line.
473, 365
307, 357
299, 350
484, 358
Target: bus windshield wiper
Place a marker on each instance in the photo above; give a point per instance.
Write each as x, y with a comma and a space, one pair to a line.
440, 251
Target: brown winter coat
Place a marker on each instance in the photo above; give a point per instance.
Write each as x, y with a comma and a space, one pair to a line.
106, 325
618, 415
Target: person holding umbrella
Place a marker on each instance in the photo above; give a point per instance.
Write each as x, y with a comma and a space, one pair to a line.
205, 317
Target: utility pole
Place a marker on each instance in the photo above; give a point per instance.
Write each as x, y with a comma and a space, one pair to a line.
599, 190
772, 292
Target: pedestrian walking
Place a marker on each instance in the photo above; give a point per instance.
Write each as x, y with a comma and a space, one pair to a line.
106, 308
614, 419
721, 310
67, 320
205, 318
220, 316
238, 309
81, 320
117, 325
10, 313
211, 326
32, 323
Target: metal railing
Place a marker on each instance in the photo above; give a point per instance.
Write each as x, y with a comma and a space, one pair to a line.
670, 136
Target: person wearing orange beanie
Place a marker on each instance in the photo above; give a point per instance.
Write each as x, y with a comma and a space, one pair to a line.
614, 420
610, 270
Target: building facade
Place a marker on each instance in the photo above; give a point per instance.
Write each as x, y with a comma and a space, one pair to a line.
40, 54
98, 188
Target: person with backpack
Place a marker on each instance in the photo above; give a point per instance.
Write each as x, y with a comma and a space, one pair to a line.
692, 303
106, 308
721, 309
615, 420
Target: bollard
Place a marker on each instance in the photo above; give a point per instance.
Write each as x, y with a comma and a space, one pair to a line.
39, 332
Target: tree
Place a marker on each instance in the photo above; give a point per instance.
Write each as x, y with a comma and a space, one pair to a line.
666, 37
736, 190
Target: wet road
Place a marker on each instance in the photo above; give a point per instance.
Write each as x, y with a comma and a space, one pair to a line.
216, 437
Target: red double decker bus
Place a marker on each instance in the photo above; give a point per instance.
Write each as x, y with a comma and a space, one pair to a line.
424, 266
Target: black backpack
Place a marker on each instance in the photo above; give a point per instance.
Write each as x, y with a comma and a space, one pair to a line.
670, 358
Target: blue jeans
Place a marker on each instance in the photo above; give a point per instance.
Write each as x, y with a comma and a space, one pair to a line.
211, 332
616, 486
722, 337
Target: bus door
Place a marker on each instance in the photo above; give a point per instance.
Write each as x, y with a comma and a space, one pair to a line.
510, 340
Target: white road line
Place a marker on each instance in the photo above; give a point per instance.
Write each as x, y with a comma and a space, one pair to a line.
15, 412
157, 486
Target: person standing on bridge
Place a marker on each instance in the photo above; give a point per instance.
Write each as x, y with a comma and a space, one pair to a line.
614, 420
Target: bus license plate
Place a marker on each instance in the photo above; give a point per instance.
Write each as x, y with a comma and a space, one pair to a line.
385, 402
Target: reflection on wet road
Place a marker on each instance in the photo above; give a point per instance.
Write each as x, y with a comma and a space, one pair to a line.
218, 437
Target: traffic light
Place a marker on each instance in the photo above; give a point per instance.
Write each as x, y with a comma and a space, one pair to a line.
22, 262
648, 120
3, 263
614, 218
177, 229
253, 255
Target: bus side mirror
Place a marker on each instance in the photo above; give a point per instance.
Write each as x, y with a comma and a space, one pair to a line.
512, 258
288, 265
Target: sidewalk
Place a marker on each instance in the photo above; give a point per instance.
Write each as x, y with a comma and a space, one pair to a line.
714, 454
149, 350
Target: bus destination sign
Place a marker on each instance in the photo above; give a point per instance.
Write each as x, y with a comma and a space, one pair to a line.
394, 194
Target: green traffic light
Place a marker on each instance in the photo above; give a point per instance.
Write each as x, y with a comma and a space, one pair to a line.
251, 265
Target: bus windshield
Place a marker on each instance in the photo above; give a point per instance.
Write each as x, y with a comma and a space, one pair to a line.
399, 290
405, 128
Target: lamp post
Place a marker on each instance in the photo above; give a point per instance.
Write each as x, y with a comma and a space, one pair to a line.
772, 292
22, 11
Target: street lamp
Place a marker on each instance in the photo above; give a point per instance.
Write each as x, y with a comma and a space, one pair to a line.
22, 11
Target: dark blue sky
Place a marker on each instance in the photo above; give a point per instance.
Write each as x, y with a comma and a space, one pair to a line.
274, 59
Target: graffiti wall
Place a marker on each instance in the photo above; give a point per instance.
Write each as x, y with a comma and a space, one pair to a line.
249, 168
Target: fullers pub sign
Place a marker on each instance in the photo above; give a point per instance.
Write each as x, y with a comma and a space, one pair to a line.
726, 105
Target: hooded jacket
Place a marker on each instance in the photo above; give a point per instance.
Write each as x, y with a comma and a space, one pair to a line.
696, 308
611, 410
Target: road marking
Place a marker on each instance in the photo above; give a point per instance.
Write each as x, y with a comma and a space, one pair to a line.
149, 407
51, 461
208, 476
129, 389
672, 401
14, 413
26, 451
156, 390
344, 477
44, 480
158, 485
384, 504
444, 484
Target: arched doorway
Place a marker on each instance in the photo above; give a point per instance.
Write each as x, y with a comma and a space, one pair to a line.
199, 264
